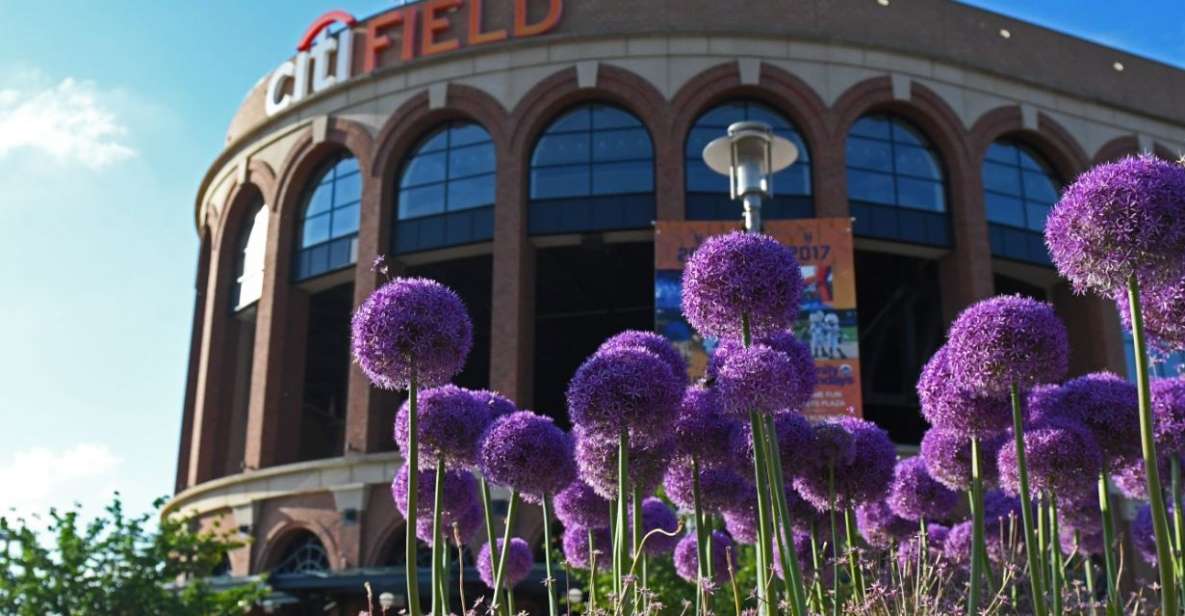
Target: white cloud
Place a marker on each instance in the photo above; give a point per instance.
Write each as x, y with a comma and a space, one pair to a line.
35, 479
68, 121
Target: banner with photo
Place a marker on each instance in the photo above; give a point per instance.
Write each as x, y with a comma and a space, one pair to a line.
827, 321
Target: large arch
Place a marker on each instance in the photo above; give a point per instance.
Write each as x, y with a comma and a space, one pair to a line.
1049, 138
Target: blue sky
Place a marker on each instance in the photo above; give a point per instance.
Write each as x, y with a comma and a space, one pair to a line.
109, 114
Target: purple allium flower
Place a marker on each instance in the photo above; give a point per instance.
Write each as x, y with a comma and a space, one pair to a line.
657, 515
721, 487
914, 494
1162, 304
1144, 534
1129, 477
451, 424
1089, 544
862, 475
702, 430
1080, 511
1118, 219
880, 527
575, 542
687, 559
596, 460
626, 388
949, 406
494, 402
1168, 408
999, 505
741, 274
519, 561
796, 443
466, 524
1061, 455
802, 551
758, 379
1006, 340
799, 354
957, 547
741, 519
527, 452
649, 341
909, 550
947, 455
411, 327
459, 496
580, 505
1104, 403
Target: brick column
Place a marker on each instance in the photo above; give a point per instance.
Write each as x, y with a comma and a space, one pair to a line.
965, 273
370, 412
1095, 332
195, 358
512, 339
215, 375
829, 178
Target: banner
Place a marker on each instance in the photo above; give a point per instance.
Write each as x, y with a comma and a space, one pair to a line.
827, 321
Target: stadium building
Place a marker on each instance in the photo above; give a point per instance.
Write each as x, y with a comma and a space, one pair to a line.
522, 151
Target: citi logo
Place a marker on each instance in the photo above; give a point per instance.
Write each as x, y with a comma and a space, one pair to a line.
317, 66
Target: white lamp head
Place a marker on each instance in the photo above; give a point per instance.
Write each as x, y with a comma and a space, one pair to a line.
749, 155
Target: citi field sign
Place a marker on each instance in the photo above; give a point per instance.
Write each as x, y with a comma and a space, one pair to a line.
399, 35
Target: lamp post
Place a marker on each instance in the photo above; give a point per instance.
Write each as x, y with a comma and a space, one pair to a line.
750, 154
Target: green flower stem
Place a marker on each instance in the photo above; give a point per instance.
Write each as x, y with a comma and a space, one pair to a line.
816, 566
977, 529
444, 589
732, 582
438, 547
615, 568
500, 576
592, 573
1168, 586
636, 549
413, 475
794, 570
1178, 519
1043, 536
852, 537
553, 608
487, 505
1088, 572
1058, 584
1110, 546
1036, 588
620, 539
764, 521
701, 538
834, 540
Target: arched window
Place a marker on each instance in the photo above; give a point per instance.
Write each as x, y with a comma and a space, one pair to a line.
707, 191
1019, 190
250, 262
329, 224
896, 183
446, 190
592, 169
303, 553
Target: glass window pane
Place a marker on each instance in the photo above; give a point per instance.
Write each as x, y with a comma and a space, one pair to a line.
722, 115
316, 230
423, 169
471, 160
321, 200
604, 116
470, 193
795, 180
559, 182
698, 139
347, 189
1004, 210
345, 221
871, 126
623, 178
467, 134
761, 113
702, 179
1028, 161
1001, 153
622, 144
904, 133
869, 154
920, 194
1036, 215
561, 149
803, 152
916, 161
437, 142
1039, 187
870, 186
1001, 178
348, 164
422, 201
576, 120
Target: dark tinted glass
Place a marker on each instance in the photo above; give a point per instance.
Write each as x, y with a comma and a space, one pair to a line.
891, 162
1018, 187
452, 169
592, 150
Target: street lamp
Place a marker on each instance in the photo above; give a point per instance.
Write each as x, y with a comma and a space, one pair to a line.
750, 155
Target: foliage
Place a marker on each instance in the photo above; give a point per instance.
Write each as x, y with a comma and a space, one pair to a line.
115, 564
